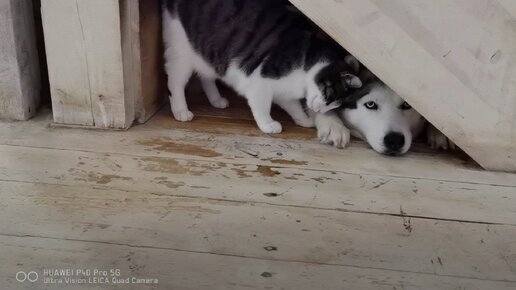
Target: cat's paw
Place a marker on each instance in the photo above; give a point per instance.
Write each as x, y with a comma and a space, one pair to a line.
306, 122
271, 128
220, 103
183, 116
438, 140
317, 105
334, 134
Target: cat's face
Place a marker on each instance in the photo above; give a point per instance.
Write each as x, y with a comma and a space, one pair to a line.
334, 83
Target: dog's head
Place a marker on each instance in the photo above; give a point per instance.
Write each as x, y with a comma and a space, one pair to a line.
378, 115
333, 84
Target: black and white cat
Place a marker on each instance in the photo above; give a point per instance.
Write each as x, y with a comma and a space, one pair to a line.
262, 49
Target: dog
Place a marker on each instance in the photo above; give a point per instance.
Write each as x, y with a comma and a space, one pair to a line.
376, 114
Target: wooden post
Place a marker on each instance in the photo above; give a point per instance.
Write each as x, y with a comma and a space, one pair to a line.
20, 83
454, 61
96, 62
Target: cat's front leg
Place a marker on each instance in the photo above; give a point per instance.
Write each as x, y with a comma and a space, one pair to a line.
295, 110
260, 103
331, 130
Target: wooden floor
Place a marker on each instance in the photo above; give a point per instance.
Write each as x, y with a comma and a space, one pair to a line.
215, 204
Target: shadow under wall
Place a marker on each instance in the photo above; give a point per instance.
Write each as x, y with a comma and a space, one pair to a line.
45, 85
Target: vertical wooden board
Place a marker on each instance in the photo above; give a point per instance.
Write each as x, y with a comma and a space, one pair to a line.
130, 29
20, 82
86, 70
455, 61
67, 64
142, 57
152, 78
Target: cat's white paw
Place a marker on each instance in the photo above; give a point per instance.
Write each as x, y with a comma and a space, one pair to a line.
271, 128
317, 105
183, 116
335, 134
306, 122
438, 140
220, 103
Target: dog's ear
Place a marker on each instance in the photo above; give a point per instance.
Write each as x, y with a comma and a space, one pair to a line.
351, 81
353, 63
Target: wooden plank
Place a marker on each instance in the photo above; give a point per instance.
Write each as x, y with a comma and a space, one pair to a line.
142, 58
86, 71
441, 248
152, 73
160, 137
130, 35
20, 83
272, 184
193, 271
469, 71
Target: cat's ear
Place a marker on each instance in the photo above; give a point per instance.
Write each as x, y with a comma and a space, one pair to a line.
351, 81
367, 76
353, 63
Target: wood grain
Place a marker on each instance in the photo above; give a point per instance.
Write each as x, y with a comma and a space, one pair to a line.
86, 72
454, 61
20, 80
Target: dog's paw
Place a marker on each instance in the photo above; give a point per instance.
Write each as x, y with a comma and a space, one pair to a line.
334, 134
183, 116
220, 103
306, 122
271, 128
438, 140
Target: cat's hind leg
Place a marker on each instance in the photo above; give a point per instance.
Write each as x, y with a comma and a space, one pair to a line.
178, 65
212, 92
179, 73
260, 103
295, 110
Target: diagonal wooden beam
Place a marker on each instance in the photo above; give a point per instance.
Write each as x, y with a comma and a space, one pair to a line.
454, 61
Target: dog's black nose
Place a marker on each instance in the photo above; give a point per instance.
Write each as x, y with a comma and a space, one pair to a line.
394, 142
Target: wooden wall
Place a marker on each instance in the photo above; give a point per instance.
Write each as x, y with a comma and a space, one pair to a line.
20, 84
453, 60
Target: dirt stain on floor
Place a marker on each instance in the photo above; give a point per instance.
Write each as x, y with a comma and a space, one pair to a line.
173, 166
286, 162
267, 171
105, 178
164, 165
241, 173
167, 145
171, 184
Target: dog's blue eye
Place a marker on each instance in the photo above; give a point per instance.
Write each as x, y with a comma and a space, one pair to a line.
405, 106
371, 105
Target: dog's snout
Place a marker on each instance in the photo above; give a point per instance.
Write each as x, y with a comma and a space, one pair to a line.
394, 142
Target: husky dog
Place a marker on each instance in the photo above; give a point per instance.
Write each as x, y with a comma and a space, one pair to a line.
262, 49
376, 114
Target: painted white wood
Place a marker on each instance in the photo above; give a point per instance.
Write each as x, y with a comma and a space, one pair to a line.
20, 83
365, 182
208, 211
453, 60
261, 183
160, 137
84, 52
260, 231
176, 269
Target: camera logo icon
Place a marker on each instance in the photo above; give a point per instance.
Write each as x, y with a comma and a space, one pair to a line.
23, 276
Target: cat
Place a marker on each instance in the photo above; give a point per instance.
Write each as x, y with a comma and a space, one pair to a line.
263, 49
